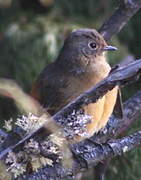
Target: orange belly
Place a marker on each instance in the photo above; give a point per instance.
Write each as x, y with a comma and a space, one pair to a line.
101, 111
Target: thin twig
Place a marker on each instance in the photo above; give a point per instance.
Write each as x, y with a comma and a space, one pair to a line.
120, 17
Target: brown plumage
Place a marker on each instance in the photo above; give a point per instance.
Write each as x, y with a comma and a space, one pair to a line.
80, 65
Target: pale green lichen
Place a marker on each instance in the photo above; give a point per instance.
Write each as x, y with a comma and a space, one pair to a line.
53, 146
17, 162
76, 123
32, 147
125, 149
8, 125
14, 165
31, 122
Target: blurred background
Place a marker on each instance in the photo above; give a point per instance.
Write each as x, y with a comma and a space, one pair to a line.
31, 34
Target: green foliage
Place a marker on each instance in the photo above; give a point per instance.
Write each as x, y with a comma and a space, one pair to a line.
126, 167
131, 35
116, 56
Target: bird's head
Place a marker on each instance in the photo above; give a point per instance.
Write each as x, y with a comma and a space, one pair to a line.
82, 48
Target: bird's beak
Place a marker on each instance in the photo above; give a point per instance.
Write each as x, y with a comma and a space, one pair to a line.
110, 48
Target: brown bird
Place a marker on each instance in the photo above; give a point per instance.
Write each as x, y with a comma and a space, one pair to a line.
80, 65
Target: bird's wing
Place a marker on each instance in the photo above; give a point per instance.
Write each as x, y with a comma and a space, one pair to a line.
48, 89
118, 109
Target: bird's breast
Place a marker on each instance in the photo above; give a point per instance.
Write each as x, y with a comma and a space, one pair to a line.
80, 84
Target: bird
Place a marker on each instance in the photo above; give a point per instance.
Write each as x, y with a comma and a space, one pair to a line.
80, 65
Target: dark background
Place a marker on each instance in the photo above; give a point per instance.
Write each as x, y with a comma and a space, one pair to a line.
31, 34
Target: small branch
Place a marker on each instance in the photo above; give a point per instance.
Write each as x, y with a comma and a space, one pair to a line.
107, 150
87, 156
120, 17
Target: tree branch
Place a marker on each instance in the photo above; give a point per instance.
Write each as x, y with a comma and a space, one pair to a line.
120, 17
87, 155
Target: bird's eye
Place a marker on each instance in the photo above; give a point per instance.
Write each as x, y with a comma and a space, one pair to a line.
93, 45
